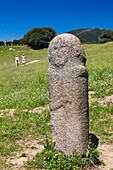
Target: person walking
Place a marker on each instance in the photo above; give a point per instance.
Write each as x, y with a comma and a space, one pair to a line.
23, 59
17, 60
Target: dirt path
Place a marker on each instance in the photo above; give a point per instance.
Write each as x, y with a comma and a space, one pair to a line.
106, 154
31, 62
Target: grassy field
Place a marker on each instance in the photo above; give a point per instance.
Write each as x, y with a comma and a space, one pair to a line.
26, 87
23, 87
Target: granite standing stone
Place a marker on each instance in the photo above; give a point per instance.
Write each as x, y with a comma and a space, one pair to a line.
68, 92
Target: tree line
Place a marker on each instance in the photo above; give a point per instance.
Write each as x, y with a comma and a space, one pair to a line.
38, 38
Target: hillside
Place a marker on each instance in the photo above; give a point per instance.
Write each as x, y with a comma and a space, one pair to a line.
87, 34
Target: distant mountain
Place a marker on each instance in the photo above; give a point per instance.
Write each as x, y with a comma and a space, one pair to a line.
88, 35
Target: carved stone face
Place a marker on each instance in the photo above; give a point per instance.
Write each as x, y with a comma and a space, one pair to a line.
63, 48
57, 58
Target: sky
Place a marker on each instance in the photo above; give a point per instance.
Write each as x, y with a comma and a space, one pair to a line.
17, 17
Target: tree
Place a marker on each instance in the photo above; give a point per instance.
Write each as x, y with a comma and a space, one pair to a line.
106, 36
19, 42
38, 38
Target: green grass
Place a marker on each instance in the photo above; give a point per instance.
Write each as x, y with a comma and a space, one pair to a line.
101, 82
99, 56
23, 87
101, 122
7, 58
100, 66
26, 87
22, 126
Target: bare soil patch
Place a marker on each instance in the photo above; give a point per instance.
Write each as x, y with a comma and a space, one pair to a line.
29, 148
108, 100
106, 154
10, 112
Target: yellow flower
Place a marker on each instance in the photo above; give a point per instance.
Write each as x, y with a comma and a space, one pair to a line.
54, 141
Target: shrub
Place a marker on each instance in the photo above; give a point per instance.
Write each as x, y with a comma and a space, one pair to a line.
106, 36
